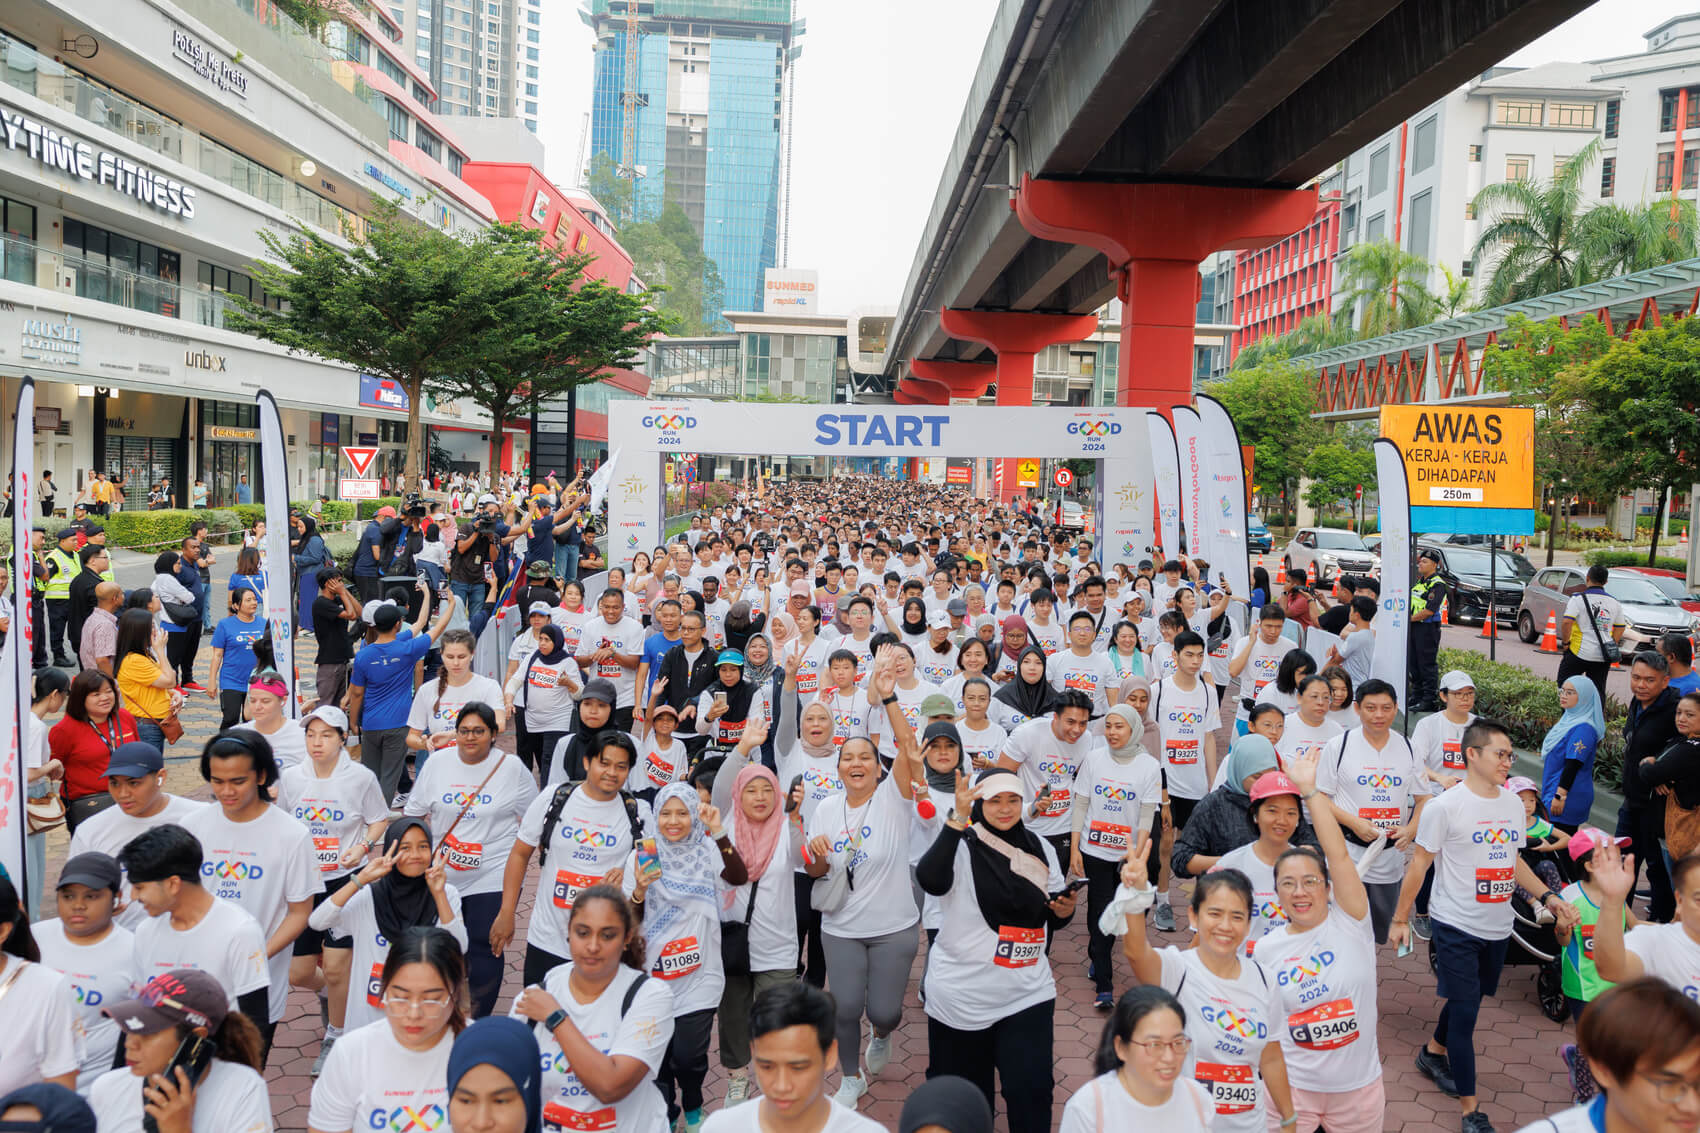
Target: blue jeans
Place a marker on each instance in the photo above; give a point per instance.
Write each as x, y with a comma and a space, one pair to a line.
566, 561
470, 595
151, 733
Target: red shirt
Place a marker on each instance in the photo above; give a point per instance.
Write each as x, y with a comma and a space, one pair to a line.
86, 750
1298, 608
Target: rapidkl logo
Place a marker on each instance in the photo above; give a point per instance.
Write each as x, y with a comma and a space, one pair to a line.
1094, 429
669, 422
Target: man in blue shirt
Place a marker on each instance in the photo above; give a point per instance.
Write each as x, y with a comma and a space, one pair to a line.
1679, 652
367, 569
667, 614
380, 689
189, 574
244, 493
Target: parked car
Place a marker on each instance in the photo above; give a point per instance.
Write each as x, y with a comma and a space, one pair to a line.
1073, 517
1464, 539
1465, 570
1372, 544
1325, 553
1673, 584
1649, 612
1257, 538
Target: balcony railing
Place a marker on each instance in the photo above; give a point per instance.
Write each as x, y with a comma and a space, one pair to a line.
67, 273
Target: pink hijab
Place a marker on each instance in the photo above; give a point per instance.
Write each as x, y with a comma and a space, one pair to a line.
756, 841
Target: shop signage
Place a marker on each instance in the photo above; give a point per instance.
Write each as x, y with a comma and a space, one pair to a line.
205, 360
229, 433
388, 181
540, 207
382, 393
786, 289
48, 340
563, 230
82, 161
207, 63
1469, 469
46, 419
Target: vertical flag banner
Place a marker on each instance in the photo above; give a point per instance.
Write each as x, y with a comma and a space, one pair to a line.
1195, 480
1392, 624
1226, 524
280, 600
599, 481
1166, 466
15, 677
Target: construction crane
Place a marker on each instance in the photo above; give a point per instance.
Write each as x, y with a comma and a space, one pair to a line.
629, 97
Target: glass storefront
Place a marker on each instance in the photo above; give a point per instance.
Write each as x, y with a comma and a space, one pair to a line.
139, 438
230, 450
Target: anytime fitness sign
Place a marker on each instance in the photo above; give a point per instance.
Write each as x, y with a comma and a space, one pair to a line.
645, 431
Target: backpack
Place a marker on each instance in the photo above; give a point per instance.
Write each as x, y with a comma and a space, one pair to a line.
552, 819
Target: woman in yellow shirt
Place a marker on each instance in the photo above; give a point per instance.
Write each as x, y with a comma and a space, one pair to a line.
146, 679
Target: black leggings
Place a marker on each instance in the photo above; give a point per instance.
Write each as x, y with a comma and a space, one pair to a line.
483, 970
1017, 1050
230, 702
685, 1064
811, 958
1102, 877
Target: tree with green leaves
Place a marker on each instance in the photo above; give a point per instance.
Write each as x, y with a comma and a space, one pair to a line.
1389, 284
1641, 395
1271, 405
1337, 469
550, 331
666, 250
1312, 334
1622, 239
1534, 234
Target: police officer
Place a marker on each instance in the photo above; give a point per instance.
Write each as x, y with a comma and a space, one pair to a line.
1428, 595
62, 567
38, 603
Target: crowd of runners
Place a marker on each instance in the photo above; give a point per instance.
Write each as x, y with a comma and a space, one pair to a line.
834, 733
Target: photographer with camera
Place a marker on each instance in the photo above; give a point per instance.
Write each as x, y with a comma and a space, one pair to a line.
476, 550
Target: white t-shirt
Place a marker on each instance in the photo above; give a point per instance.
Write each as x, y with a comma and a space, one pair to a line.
1184, 720
1301, 739
371, 1081
1163, 662
876, 837
433, 713
525, 644
909, 703
975, 974
714, 619
1090, 674
1267, 916
1113, 794
1608, 615
1576, 1119
289, 743
356, 921
681, 947
745, 1117
773, 928
100, 974
335, 810
658, 765
546, 689
42, 1037
1438, 743
227, 944
642, 1034
1382, 786
263, 866
981, 743
724, 728
933, 667
849, 716
1042, 760
110, 831
591, 838
231, 1098
1668, 953
1261, 665
1325, 982
1475, 843
1103, 1103
572, 626
477, 851
1048, 637
625, 636
812, 669
1229, 1022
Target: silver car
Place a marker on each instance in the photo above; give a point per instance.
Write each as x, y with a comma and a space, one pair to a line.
1648, 611
1325, 553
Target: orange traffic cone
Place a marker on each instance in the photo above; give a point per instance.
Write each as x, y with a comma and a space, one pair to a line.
1446, 613
1684, 538
1490, 625
1549, 636
1280, 572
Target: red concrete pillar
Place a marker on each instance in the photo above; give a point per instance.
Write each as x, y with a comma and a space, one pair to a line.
962, 379
1017, 337
1154, 236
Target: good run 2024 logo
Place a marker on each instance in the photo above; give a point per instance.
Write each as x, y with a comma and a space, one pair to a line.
1094, 433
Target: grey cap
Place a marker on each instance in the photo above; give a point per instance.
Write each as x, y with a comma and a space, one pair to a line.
599, 688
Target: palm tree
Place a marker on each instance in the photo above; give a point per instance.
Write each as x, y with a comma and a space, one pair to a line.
1619, 239
1390, 283
1535, 232
1314, 333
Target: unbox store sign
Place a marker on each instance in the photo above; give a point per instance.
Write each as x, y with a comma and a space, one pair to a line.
82, 161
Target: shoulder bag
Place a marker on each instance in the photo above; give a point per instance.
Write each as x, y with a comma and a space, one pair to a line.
735, 939
832, 888
1608, 649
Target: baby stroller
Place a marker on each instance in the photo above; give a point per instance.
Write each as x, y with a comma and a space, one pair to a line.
1534, 944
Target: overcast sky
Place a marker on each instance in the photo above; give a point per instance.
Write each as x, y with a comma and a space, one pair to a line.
880, 89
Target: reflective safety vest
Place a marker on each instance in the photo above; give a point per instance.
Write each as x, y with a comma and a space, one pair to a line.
62, 569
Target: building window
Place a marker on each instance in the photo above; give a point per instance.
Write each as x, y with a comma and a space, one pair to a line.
531, 54
1422, 145
1422, 207
1690, 168
1376, 228
1378, 171
1475, 153
1573, 115
1667, 110
1517, 166
531, 36
392, 70
1663, 171
1608, 176
531, 90
1612, 106
455, 162
534, 17
429, 144
1560, 162
1469, 210
1518, 112
398, 119
1467, 268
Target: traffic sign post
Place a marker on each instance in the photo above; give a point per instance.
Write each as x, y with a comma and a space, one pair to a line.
1063, 477
360, 458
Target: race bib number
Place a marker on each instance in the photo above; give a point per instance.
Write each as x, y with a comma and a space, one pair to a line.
1109, 836
541, 678
658, 771
328, 853
1586, 931
678, 959
569, 885
1054, 804
729, 731
1019, 947
1493, 886
375, 987
808, 680
1233, 1088
1084, 682
1181, 753
462, 855
1327, 1026
1451, 757
1384, 818
609, 669
559, 1116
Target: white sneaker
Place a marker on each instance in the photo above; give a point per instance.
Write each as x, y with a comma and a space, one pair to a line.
879, 1053
850, 1091
1543, 915
737, 1087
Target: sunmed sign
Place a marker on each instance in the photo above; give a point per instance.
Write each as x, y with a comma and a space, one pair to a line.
1470, 469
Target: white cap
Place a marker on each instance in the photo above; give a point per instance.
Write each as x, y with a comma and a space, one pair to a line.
487, 498
331, 715
370, 609
938, 619
1456, 679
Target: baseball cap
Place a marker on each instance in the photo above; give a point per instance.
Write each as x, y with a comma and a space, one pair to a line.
538, 608
487, 498
938, 619
956, 608
600, 688
369, 612
386, 512
664, 707
93, 869
1522, 783
331, 715
729, 657
182, 996
941, 728
135, 759
1590, 838
386, 617
1272, 783
938, 704
802, 586
1456, 679
539, 569
1431, 555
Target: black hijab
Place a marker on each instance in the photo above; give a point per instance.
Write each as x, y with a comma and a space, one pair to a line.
951, 1103
1030, 698
400, 903
1005, 897
738, 696
941, 780
919, 625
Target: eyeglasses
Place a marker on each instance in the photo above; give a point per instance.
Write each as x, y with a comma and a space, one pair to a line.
1672, 1090
1156, 1047
1294, 884
479, 731
1501, 753
406, 1005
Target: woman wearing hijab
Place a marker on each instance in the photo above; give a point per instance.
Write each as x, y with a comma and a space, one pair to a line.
1218, 823
990, 996
912, 630
308, 555
399, 888
941, 759
45, 1107
679, 896
1136, 694
730, 703
547, 683
1567, 754
1026, 697
949, 1103
492, 1065
1013, 642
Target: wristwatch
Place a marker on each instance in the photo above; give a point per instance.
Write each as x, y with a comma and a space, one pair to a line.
892, 699
555, 1019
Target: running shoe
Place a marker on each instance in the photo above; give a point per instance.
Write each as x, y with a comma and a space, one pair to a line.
879, 1054
1420, 926
850, 1091
1583, 1088
1477, 1122
399, 802
737, 1087
1438, 1069
324, 1054
192, 686
1106, 1001
1163, 917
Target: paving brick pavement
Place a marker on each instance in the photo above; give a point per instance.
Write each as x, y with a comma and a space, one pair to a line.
1521, 1076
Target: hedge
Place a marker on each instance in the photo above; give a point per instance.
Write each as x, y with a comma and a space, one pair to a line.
167, 527
1634, 558
1527, 704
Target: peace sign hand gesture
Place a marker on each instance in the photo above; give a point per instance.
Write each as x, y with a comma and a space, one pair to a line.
380, 864
964, 797
1134, 874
